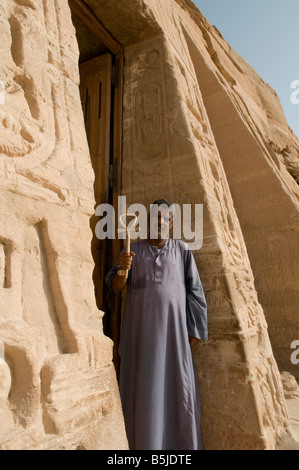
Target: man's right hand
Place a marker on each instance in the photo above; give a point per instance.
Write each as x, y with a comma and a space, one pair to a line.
125, 260
125, 263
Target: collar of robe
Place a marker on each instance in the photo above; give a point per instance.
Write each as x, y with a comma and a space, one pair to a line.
164, 247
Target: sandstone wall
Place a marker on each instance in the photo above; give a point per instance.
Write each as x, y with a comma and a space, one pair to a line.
58, 387
260, 155
169, 143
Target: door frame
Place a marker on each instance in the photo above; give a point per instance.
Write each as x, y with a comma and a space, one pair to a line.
94, 24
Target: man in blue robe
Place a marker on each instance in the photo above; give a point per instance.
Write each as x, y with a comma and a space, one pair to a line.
165, 314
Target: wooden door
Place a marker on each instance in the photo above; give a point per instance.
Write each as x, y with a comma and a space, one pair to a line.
95, 91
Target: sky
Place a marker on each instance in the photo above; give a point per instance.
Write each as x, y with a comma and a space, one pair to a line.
266, 34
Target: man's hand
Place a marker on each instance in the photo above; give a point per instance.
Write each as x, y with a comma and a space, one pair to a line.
125, 260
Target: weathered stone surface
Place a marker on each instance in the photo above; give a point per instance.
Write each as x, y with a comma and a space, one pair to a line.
290, 385
198, 125
256, 147
170, 143
58, 387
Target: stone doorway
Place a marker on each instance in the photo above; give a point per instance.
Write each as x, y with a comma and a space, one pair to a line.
100, 66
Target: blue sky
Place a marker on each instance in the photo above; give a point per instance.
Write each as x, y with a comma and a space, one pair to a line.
266, 34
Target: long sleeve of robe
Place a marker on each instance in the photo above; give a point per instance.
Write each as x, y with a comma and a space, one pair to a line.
165, 304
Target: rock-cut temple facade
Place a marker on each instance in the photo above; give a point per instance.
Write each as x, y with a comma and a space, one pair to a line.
143, 99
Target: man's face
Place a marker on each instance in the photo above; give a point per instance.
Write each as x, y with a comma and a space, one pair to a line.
161, 222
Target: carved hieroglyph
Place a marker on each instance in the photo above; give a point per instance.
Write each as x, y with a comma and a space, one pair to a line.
57, 384
41, 142
176, 156
260, 166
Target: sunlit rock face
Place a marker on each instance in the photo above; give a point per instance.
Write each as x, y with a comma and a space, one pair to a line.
200, 127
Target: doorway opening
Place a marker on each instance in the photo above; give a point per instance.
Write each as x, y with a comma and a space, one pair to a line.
100, 66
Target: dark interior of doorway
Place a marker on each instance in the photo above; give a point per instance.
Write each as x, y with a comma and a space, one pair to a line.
95, 42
